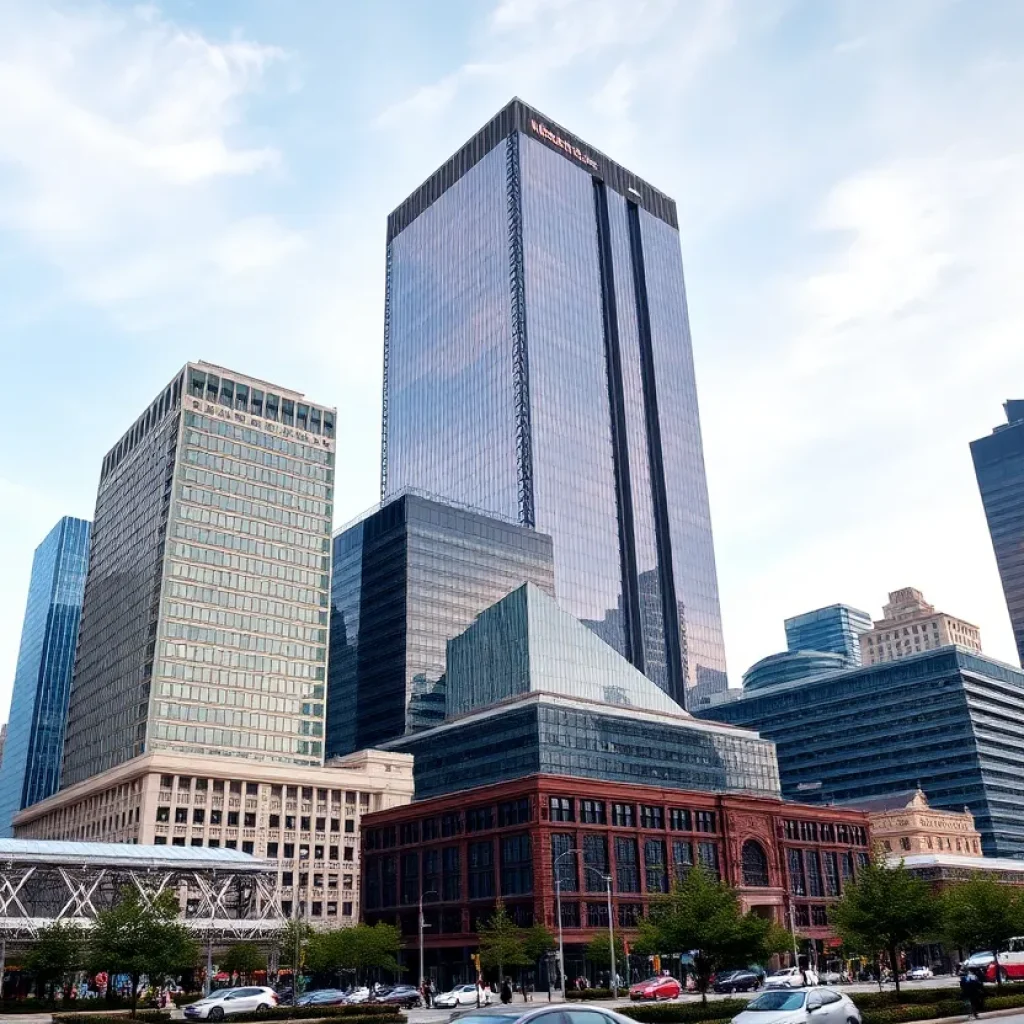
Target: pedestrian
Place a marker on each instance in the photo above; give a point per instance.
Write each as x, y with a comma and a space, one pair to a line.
973, 991
506, 992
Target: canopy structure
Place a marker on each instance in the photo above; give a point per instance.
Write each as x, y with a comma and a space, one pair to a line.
224, 895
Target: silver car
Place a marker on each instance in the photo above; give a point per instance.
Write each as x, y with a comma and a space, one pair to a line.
226, 1001
800, 1006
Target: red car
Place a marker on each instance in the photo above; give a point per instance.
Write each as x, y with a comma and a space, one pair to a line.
664, 987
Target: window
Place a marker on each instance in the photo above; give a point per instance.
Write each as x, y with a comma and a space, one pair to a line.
232, 819
451, 824
336, 824
289, 821
626, 867
198, 816
321, 824
481, 870
479, 819
797, 877
592, 812
163, 814
705, 821
905, 843
272, 850
350, 824
214, 843
250, 819
516, 865
431, 829
252, 788
831, 864
682, 858
707, 856
803, 915
562, 808
570, 914
679, 820
597, 915
332, 853
451, 878
846, 867
630, 914
654, 863
595, 858
410, 877
563, 862
623, 815
819, 916
196, 842
247, 846
514, 812
215, 816
755, 864
178, 841
181, 815
388, 880
346, 910
304, 822
651, 817
289, 851
236, 786
815, 886
274, 821
409, 833
431, 875
349, 853
161, 841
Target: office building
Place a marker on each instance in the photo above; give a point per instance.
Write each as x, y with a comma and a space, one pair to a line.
999, 467
537, 364
204, 626
910, 625
531, 690
948, 721
787, 666
406, 578
512, 841
304, 819
836, 629
30, 769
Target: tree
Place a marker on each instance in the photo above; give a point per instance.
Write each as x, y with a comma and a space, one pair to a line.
361, 948
885, 910
295, 934
597, 953
703, 915
243, 959
57, 950
139, 936
501, 942
982, 914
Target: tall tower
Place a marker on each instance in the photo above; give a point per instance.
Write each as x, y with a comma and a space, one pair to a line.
204, 625
30, 770
537, 364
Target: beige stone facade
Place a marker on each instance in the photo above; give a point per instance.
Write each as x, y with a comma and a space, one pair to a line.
307, 819
904, 825
910, 625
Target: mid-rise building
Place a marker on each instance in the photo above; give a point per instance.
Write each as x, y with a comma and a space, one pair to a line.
948, 721
836, 629
538, 364
904, 825
786, 666
30, 767
406, 579
306, 820
999, 467
910, 625
204, 625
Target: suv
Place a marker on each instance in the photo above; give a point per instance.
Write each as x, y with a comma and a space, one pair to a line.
221, 1004
791, 977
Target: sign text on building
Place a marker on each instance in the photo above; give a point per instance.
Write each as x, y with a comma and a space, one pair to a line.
541, 129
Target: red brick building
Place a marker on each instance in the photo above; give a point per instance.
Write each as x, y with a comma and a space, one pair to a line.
463, 851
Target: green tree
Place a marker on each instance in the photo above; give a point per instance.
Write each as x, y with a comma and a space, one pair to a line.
885, 910
243, 959
361, 948
58, 949
295, 935
982, 914
501, 942
137, 936
596, 953
704, 915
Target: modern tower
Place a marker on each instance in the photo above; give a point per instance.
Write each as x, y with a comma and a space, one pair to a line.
537, 364
999, 467
407, 578
30, 770
204, 626
835, 629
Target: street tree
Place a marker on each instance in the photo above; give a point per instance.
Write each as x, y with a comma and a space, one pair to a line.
502, 944
982, 914
139, 936
885, 910
293, 938
361, 949
597, 953
57, 950
703, 915
243, 959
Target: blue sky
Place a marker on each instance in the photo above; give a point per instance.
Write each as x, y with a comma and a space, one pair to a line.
211, 180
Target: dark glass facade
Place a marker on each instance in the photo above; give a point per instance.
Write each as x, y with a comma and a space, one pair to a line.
538, 364
787, 666
999, 467
949, 722
834, 629
407, 579
30, 769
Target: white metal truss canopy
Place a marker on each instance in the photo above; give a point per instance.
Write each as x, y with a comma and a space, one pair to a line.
225, 895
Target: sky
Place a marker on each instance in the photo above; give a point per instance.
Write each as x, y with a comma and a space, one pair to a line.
185, 180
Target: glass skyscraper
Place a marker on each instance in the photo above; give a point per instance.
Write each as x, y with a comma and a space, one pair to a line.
204, 625
999, 467
407, 578
537, 364
836, 628
30, 770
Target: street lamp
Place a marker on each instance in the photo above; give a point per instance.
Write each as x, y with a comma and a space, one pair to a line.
429, 892
558, 911
607, 879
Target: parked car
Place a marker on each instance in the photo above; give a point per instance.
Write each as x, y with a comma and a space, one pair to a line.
736, 981
791, 977
920, 974
322, 997
407, 996
822, 1006
830, 976
461, 995
221, 1004
527, 1013
358, 995
661, 987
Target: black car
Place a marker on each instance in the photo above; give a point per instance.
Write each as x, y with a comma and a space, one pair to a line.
401, 995
737, 981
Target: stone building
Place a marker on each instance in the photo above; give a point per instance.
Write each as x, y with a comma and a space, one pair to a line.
910, 625
904, 825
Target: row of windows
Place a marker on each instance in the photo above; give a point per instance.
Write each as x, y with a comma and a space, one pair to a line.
297, 530
199, 596
237, 681
308, 498
258, 456
239, 719
826, 832
282, 552
215, 737
253, 566
248, 623
308, 517
822, 874
186, 784
650, 816
244, 641
240, 397
453, 823
237, 472
248, 584
232, 659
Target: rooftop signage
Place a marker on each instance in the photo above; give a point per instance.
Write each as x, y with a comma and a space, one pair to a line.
543, 131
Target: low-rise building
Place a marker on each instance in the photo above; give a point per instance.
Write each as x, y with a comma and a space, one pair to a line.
307, 820
904, 825
910, 625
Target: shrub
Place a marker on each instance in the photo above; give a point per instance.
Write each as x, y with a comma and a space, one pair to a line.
596, 993
364, 1013
683, 1013
150, 1016
184, 998
908, 996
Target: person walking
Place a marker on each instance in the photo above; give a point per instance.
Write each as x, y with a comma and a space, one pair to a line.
506, 992
973, 990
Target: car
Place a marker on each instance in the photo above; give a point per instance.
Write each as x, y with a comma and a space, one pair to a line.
407, 996
322, 997
226, 1001
358, 995
791, 977
527, 1013
736, 981
831, 977
461, 995
920, 974
661, 987
782, 1006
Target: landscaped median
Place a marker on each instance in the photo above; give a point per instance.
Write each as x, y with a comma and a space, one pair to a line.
370, 1013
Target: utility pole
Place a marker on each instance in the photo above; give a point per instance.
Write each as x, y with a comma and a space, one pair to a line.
561, 947
430, 892
611, 934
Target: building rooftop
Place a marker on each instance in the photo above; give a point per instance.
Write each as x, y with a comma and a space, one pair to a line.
890, 802
45, 851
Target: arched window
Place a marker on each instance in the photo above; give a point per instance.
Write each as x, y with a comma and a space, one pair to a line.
755, 864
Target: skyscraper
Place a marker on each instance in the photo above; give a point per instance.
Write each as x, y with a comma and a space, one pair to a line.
204, 626
30, 770
537, 364
999, 467
406, 579
836, 628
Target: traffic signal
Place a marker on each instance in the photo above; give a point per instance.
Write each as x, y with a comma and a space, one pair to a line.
657, 964
476, 961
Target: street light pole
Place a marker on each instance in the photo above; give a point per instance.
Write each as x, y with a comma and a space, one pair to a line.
561, 946
611, 936
430, 892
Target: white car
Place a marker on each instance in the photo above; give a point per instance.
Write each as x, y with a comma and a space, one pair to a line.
791, 977
820, 1006
920, 974
221, 1004
358, 995
462, 995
